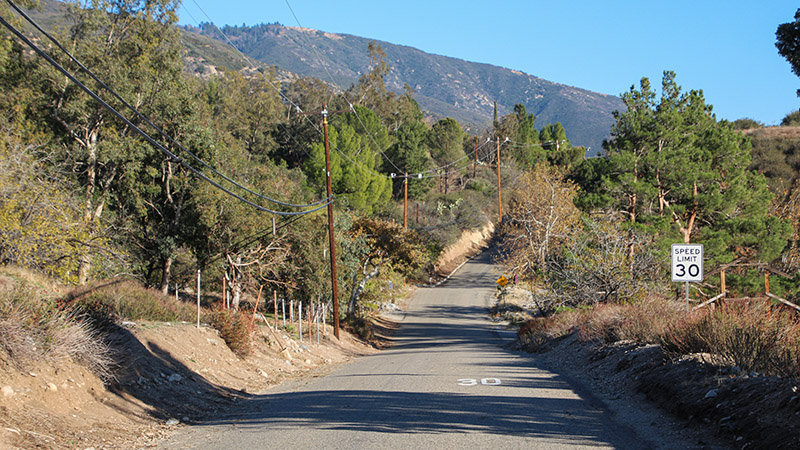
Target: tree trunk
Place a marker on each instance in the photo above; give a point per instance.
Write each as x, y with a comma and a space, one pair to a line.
90, 213
165, 274
687, 231
358, 288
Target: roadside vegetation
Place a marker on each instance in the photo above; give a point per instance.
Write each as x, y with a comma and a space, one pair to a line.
119, 224
591, 241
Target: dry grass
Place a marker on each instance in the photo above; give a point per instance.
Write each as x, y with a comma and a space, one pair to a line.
752, 337
106, 302
33, 329
773, 132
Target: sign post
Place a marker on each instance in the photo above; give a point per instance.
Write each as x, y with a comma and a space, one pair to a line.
687, 265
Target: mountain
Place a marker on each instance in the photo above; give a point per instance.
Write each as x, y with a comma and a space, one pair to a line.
443, 86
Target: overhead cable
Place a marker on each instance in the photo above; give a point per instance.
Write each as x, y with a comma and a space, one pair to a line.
147, 121
144, 135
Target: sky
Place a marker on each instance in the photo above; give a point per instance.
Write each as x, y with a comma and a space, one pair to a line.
724, 48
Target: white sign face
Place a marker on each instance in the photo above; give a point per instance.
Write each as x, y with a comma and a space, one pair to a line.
687, 262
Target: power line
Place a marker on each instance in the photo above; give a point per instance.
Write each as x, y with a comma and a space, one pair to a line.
287, 99
144, 135
350, 104
145, 119
324, 66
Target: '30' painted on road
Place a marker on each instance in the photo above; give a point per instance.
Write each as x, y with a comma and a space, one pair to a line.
483, 381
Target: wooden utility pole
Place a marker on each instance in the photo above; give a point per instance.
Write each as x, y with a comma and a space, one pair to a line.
475, 161
405, 202
331, 239
499, 189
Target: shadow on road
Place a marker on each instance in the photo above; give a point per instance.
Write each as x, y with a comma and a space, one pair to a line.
405, 412
548, 409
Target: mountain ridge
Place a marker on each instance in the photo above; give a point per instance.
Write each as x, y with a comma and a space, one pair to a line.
444, 86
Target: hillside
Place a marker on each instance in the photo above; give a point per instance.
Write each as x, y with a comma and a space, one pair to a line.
443, 86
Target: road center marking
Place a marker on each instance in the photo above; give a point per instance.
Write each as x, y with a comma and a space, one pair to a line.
483, 381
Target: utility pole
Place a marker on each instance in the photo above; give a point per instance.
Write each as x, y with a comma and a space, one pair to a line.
331, 239
405, 202
475, 163
499, 189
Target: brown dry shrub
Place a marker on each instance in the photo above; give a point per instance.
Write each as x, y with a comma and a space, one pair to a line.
535, 333
753, 337
235, 328
106, 302
33, 329
601, 323
647, 321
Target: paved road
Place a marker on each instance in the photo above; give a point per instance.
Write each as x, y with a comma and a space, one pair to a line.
447, 383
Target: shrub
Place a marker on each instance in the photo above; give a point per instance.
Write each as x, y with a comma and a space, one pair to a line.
752, 336
647, 321
535, 333
601, 323
235, 328
360, 326
597, 265
104, 303
32, 329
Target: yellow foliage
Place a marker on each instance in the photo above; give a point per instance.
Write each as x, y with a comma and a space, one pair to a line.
541, 215
40, 227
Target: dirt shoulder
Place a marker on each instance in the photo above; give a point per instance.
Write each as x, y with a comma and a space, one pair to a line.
705, 404
169, 373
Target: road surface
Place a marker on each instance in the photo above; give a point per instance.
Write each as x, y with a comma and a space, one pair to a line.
446, 383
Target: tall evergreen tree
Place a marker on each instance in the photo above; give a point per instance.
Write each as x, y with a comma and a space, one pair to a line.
674, 169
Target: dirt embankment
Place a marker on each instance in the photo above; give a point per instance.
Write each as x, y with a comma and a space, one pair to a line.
168, 373
468, 245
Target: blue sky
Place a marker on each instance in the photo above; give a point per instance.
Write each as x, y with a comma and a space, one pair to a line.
725, 48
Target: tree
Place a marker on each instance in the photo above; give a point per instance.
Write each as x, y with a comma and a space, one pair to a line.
293, 135
370, 92
155, 194
253, 121
520, 128
375, 243
410, 155
746, 124
40, 222
446, 142
791, 120
553, 136
788, 43
674, 169
134, 47
353, 170
540, 216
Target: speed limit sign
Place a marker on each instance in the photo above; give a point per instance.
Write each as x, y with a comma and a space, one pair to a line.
687, 262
